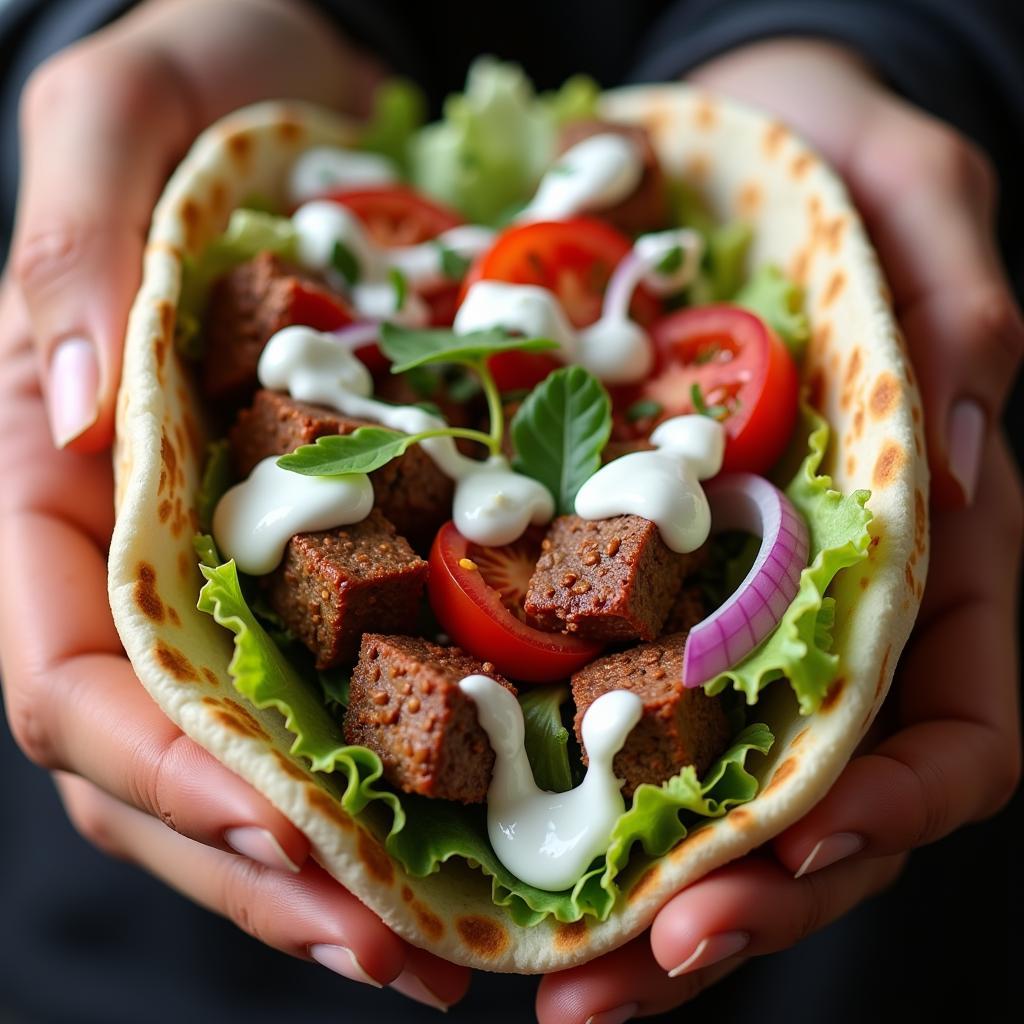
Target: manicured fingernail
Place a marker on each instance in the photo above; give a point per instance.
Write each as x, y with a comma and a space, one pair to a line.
342, 961
74, 381
830, 851
260, 845
415, 988
711, 950
616, 1016
966, 438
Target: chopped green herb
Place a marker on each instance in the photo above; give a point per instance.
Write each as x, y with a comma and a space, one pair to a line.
715, 412
706, 355
344, 261
645, 408
671, 261
400, 285
453, 264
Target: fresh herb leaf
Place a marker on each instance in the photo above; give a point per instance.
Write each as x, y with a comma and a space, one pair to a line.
671, 261
424, 381
408, 347
453, 264
401, 286
362, 451
700, 405
560, 430
546, 738
344, 261
463, 387
645, 408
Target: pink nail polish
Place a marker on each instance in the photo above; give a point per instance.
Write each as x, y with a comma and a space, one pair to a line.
617, 1016
966, 439
71, 397
830, 851
416, 989
261, 846
712, 950
343, 961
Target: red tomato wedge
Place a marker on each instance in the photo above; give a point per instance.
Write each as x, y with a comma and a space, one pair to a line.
477, 595
572, 258
314, 307
394, 215
739, 364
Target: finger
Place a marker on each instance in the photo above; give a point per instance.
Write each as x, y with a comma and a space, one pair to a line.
619, 986
928, 197
100, 125
307, 915
956, 757
755, 906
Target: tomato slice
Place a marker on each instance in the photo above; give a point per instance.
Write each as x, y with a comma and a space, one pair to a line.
394, 215
574, 259
317, 308
477, 594
739, 364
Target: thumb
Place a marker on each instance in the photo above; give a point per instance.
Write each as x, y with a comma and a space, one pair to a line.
99, 126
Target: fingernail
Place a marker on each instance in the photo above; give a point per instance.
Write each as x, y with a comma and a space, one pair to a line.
343, 961
711, 950
616, 1016
830, 851
261, 846
415, 988
74, 381
966, 438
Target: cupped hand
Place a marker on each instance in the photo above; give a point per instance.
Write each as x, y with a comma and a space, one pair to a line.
102, 125
948, 748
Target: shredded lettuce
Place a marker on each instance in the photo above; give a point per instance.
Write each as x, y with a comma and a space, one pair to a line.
547, 740
799, 648
399, 110
780, 303
488, 152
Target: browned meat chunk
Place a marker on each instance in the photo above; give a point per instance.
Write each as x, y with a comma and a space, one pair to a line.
687, 610
678, 727
334, 585
610, 579
411, 491
247, 306
405, 705
647, 209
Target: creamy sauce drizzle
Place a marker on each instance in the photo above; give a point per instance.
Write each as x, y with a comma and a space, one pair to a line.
492, 506
615, 348
664, 485
549, 839
592, 175
320, 225
324, 168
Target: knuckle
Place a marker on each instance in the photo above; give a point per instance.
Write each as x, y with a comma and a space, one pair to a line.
48, 255
816, 903
994, 325
32, 729
238, 900
154, 779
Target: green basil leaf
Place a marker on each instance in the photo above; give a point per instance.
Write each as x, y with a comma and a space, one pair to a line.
409, 347
344, 261
546, 738
362, 451
560, 431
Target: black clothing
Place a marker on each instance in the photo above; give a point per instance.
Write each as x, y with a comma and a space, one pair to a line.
86, 939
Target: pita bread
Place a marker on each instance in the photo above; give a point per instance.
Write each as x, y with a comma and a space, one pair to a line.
747, 167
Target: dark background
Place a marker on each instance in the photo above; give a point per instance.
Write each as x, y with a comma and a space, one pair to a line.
87, 939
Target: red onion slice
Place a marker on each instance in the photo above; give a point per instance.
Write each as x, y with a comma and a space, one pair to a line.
356, 335
743, 501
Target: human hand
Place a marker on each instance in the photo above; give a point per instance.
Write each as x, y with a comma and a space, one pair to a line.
950, 752
103, 124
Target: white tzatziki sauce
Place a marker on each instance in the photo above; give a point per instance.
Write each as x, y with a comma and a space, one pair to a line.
615, 349
324, 168
255, 519
592, 175
664, 485
492, 506
321, 225
549, 839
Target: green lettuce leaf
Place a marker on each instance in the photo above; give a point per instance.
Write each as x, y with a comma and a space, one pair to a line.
399, 109
488, 152
780, 303
560, 431
547, 740
216, 480
799, 647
